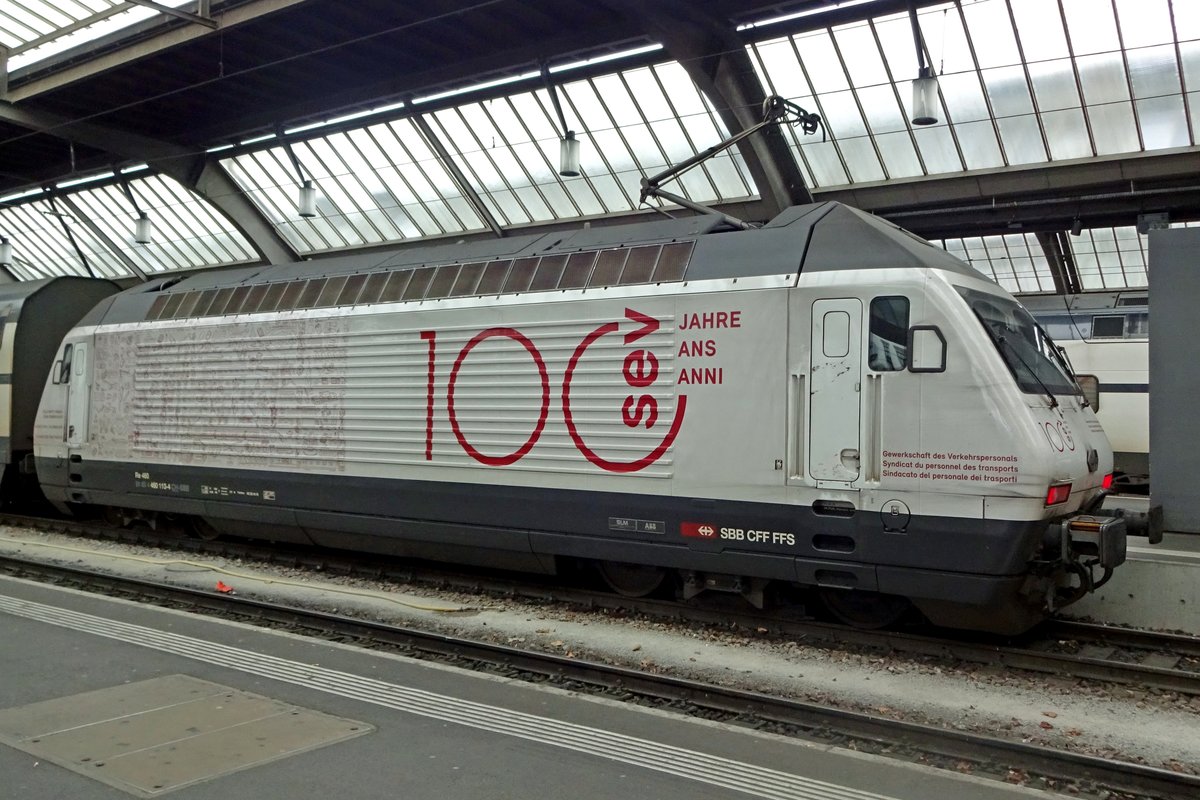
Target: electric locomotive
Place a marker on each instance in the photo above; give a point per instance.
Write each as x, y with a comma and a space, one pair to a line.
825, 401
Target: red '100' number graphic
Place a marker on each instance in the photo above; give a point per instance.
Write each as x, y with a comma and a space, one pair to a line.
497, 461
640, 369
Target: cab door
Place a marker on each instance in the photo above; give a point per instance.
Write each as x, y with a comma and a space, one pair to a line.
78, 382
835, 386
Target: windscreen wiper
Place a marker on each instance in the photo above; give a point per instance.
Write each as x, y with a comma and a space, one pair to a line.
1066, 362
1000, 340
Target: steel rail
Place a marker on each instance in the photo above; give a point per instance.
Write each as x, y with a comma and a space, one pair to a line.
1028, 652
747, 707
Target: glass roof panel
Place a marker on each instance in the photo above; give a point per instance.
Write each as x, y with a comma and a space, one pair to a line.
1069, 99
882, 109
896, 41
825, 164
1190, 56
41, 249
953, 48
375, 184
980, 148
1067, 133
1092, 27
937, 149
187, 233
1145, 22
1187, 20
1015, 261
841, 114
899, 155
991, 31
821, 62
861, 159
1105, 258
862, 57
1008, 91
1154, 71
964, 95
1113, 128
1041, 35
383, 182
1163, 122
1103, 78
35, 30
1054, 85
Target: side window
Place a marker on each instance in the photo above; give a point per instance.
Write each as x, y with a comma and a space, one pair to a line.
1110, 327
64, 365
887, 347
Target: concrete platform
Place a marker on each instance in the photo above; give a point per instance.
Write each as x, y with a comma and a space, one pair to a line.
95, 685
1157, 587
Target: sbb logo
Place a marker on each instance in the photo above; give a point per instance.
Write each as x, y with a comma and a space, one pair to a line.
698, 530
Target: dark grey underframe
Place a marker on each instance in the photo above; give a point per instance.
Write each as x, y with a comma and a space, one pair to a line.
509, 525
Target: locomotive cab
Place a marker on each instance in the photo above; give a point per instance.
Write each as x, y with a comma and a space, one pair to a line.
1003, 421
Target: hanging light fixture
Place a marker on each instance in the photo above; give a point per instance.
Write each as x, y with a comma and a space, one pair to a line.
568, 156
306, 201
925, 97
568, 145
1076, 227
5, 252
143, 229
925, 86
306, 206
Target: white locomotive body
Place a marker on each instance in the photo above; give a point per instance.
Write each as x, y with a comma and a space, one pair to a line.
824, 401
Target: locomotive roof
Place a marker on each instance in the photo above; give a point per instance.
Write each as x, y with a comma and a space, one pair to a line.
820, 237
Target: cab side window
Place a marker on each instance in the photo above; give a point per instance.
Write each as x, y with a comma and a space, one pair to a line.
64, 366
887, 347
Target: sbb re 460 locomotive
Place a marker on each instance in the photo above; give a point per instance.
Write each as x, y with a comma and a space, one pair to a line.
825, 401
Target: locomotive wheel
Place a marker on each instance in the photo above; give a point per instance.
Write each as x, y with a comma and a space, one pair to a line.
868, 610
631, 580
200, 529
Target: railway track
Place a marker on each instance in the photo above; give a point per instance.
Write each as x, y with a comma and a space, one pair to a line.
1161, 661
984, 755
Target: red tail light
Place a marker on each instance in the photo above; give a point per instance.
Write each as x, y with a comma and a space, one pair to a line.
1106, 484
1058, 493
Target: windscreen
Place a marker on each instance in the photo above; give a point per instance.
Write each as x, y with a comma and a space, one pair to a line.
1029, 352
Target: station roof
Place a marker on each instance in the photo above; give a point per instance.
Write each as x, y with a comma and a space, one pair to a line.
433, 119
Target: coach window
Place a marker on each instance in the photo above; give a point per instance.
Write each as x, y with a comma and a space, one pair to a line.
887, 348
1110, 327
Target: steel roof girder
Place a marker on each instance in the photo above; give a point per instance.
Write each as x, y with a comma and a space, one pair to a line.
209, 179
